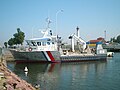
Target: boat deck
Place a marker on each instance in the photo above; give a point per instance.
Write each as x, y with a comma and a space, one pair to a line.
82, 57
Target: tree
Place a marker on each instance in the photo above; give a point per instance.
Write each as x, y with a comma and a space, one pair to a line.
5, 44
118, 39
11, 42
19, 37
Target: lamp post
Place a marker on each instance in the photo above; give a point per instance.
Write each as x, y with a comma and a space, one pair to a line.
57, 17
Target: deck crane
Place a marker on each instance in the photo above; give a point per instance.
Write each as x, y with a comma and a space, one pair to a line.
79, 40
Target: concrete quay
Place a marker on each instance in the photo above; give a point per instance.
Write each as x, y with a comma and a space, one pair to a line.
9, 80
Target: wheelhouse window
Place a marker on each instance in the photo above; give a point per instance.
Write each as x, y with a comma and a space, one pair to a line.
39, 43
48, 43
52, 42
43, 43
33, 43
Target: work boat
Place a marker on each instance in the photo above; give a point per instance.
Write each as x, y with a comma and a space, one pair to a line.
39, 50
81, 51
48, 49
43, 49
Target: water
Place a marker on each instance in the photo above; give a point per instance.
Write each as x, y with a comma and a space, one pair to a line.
72, 76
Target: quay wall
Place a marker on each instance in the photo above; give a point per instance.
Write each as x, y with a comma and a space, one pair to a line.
7, 55
9, 80
112, 48
0, 53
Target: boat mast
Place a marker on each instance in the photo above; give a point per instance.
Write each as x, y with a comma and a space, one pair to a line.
48, 22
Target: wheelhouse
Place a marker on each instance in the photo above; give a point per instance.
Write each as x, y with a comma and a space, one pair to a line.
42, 44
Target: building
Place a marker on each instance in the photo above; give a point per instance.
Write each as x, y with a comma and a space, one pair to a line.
93, 43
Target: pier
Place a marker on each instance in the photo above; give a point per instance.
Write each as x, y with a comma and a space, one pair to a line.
112, 48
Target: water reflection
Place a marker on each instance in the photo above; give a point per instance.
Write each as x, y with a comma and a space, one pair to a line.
82, 75
60, 76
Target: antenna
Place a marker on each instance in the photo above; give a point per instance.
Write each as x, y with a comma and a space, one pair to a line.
105, 34
48, 22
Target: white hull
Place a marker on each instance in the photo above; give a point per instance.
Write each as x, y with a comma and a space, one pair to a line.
36, 56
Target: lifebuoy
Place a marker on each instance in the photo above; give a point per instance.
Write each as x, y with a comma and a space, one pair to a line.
30, 49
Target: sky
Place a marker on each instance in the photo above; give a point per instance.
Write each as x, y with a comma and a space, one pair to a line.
93, 17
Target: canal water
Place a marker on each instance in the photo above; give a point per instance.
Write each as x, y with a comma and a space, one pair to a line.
72, 76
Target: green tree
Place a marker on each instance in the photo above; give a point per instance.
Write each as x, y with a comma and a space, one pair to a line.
19, 37
11, 42
5, 44
118, 39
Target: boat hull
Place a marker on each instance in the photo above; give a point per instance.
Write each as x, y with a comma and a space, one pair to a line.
78, 58
54, 56
36, 56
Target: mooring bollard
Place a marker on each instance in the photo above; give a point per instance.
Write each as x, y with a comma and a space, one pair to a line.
14, 85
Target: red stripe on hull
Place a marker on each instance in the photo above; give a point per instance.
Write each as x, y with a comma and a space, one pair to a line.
51, 56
